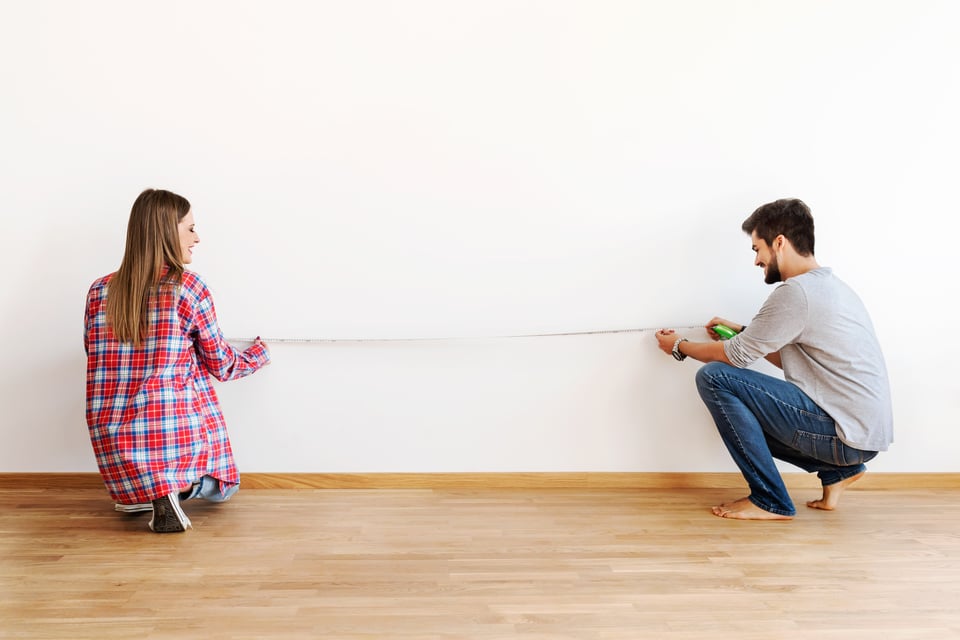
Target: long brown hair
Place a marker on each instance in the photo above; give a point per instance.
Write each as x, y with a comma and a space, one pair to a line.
153, 242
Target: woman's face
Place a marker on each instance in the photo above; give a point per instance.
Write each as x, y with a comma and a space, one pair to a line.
188, 237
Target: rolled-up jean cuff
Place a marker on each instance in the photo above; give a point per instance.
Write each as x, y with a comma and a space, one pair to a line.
208, 488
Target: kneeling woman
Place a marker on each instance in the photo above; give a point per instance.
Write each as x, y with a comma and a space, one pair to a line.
152, 341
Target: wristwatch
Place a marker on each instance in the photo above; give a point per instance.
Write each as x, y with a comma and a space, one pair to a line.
680, 357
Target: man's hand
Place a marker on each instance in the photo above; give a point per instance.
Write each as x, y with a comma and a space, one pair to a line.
666, 338
716, 336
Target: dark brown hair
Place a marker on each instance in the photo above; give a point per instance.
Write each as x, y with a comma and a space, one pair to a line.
789, 217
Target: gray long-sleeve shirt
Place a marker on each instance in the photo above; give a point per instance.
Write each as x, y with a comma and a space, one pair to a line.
829, 349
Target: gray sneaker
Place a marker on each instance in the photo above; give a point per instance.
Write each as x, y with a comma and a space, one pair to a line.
168, 517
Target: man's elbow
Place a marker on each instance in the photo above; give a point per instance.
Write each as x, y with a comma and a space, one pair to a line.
720, 354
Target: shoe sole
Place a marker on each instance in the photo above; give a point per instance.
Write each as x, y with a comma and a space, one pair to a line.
168, 517
133, 508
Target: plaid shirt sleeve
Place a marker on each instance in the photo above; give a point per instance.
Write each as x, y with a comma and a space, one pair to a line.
220, 359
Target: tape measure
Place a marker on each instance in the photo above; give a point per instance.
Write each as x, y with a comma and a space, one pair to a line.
459, 338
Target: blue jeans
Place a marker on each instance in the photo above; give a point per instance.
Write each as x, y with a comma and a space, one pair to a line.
208, 488
760, 418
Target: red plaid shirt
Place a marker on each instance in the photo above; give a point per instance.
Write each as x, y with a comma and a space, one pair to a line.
154, 419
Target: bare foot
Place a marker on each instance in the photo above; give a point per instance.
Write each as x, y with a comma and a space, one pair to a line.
832, 492
743, 509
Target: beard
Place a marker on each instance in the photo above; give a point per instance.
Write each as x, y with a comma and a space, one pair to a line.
773, 272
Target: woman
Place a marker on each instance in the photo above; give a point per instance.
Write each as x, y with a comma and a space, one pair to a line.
152, 339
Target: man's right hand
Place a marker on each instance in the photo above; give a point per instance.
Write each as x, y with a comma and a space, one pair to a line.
717, 320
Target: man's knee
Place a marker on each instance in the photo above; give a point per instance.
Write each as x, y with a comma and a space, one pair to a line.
708, 375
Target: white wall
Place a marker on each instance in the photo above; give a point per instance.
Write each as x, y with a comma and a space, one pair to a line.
472, 169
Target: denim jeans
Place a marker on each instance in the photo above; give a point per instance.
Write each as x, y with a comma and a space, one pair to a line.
760, 418
208, 488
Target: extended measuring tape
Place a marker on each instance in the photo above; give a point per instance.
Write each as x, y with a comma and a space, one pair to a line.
719, 329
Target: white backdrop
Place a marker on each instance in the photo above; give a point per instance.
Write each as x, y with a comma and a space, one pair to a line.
475, 169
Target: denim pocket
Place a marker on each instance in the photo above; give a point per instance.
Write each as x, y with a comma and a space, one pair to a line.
830, 449
820, 447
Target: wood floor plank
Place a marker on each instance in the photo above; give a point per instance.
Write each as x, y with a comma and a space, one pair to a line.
482, 563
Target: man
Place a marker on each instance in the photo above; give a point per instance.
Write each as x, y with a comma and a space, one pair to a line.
832, 412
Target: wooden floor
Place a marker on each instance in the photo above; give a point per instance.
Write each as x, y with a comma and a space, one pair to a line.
478, 563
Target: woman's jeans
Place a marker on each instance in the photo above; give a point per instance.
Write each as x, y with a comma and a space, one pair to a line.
760, 418
208, 488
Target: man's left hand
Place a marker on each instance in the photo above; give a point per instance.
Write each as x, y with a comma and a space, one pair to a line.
666, 338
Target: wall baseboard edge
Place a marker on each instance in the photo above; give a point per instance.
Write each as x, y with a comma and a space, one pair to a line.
600, 480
